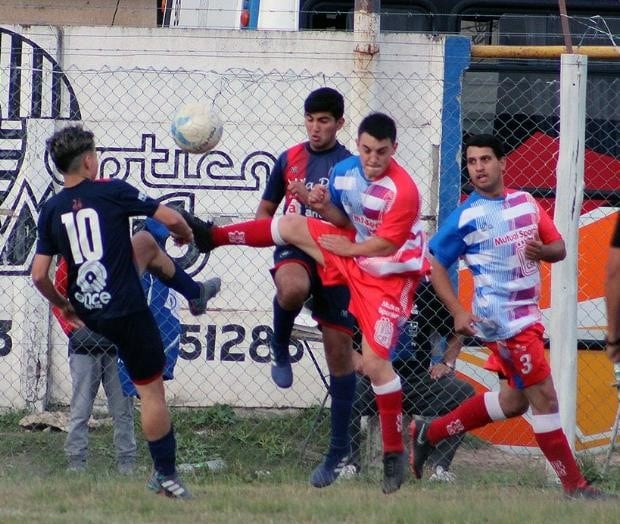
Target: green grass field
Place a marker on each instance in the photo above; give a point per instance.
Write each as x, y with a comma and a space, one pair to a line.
266, 481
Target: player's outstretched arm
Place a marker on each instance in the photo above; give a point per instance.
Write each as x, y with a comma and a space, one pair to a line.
463, 319
175, 222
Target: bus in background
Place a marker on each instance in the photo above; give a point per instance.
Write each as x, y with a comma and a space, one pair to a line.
529, 18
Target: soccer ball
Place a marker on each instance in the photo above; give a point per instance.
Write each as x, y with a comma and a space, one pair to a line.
196, 128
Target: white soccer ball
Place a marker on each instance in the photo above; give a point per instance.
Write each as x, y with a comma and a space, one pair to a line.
196, 128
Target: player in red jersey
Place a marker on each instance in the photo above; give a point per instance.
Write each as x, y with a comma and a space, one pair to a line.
374, 244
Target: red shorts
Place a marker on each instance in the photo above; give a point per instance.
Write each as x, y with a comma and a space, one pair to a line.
521, 359
494, 364
381, 305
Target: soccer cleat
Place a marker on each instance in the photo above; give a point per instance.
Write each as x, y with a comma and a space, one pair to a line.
329, 470
589, 492
201, 230
208, 290
419, 448
393, 471
441, 474
168, 485
281, 369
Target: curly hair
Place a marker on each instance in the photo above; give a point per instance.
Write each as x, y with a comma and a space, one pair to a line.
67, 145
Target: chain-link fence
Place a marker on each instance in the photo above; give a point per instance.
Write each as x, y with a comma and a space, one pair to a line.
223, 355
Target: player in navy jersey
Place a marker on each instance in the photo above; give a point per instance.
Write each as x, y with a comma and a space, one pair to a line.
295, 274
88, 224
502, 235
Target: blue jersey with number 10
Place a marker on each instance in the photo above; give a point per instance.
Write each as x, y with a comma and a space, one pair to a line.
88, 225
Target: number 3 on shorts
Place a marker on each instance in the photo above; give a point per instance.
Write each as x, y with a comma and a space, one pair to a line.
526, 363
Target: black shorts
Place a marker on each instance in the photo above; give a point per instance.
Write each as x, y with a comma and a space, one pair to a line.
329, 304
139, 343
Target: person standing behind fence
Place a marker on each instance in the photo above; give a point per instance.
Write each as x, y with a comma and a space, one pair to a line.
295, 274
612, 296
92, 361
430, 386
373, 243
502, 235
87, 223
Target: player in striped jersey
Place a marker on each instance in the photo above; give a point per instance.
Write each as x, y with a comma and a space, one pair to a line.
502, 235
370, 240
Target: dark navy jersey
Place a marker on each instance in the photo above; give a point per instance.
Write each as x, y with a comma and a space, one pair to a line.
300, 162
88, 225
428, 317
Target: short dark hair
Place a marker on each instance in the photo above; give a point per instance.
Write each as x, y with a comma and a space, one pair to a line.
378, 125
486, 140
325, 99
69, 144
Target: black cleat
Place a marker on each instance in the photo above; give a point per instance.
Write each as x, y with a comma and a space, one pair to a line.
201, 230
393, 471
208, 289
419, 447
281, 369
169, 486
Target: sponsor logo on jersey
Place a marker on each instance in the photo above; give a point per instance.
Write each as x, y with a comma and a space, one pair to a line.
92, 281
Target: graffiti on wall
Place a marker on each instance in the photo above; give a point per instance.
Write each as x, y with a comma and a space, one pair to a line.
32, 107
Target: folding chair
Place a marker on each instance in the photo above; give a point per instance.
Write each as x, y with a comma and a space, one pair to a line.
305, 335
616, 426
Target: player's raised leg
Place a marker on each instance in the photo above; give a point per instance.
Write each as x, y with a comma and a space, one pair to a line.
149, 256
262, 232
292, 288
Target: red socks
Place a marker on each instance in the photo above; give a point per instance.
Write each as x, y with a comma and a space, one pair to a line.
471, 414
553, 443
256, 233
548, 431
390, 406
